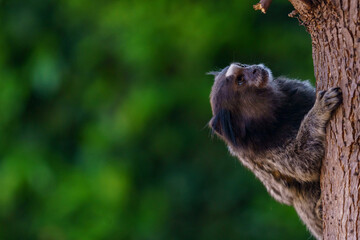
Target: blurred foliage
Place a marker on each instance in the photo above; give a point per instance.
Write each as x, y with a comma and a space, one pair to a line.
104, 106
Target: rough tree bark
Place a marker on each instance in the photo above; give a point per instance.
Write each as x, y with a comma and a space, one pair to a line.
334, 26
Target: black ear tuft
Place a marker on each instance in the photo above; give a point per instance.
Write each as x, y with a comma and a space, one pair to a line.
214, 124
222, 124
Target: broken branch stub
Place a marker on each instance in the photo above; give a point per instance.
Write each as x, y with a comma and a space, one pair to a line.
263, 5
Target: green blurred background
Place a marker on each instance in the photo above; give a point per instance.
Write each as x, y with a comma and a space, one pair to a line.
104, 106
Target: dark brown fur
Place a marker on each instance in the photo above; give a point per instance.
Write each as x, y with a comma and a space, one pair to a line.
276, 128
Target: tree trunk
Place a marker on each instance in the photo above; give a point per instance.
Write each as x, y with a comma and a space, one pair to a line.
334, 26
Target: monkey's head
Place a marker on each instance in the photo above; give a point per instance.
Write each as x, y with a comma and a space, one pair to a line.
243, 98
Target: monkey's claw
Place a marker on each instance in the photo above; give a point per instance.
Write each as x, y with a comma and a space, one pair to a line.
330, 99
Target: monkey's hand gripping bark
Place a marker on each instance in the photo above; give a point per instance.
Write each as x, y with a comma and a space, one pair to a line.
308, 147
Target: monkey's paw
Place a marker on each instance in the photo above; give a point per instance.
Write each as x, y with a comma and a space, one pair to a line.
329, 100
319, 209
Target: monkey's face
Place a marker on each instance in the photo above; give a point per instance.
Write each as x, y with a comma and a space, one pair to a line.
257, 76
239, 94
239, 86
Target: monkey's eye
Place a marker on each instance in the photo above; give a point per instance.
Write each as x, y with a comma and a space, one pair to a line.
240, 80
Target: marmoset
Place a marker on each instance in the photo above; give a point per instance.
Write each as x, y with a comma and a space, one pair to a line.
276, 128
